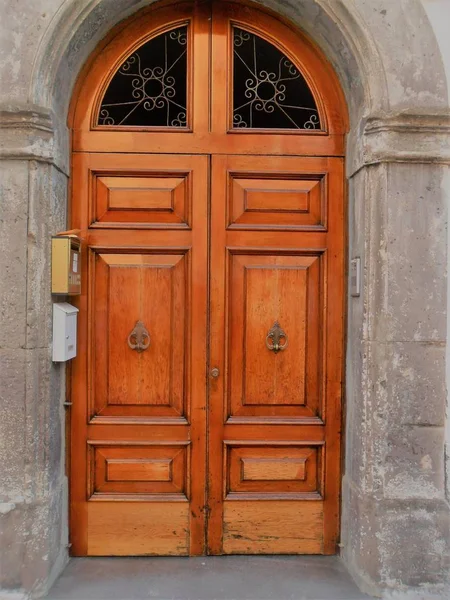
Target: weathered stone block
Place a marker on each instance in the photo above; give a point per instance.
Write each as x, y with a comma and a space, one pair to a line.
47, 216
359, 544
39, 258
46, 542
414, 463
13, 411
12, 526
398, 401
397, 397
410, 81
414, 540
13, 251
23, 27
358, 219
33, 542
359, 440
44, 423
407, 264
58, 201
408, 383
396, 545
27, 132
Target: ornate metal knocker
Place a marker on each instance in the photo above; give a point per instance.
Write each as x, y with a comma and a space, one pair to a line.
274, 337
139, 338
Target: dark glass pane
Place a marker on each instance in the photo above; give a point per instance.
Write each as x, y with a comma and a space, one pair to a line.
150, 88
269, 91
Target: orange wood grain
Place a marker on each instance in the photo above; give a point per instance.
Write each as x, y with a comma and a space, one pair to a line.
260, 527
280, 470
272, 469
264, 202
150, 199
264, 276
210, 52
127, 401
262, 289
121, 529
208, 236
153, 469
126, 471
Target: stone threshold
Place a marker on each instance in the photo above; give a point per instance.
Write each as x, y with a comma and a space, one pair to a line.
206, 578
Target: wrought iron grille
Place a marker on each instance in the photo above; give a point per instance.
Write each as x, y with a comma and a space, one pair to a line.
269, 92
150, 87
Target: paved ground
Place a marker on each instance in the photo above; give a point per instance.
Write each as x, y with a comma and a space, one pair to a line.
208, 578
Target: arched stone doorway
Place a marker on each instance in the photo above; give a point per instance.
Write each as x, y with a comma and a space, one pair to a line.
395, 505
215, 129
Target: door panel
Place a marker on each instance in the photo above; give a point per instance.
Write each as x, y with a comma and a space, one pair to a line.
150, 289
145, 470
275, 412
138, 529
265, 290
276, 470
139, 397
268, 528
280, 201
156, 198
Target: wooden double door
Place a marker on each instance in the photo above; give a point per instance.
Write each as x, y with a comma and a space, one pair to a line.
207, 182
206, 394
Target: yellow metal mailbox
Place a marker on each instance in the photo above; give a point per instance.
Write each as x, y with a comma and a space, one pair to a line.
66, 265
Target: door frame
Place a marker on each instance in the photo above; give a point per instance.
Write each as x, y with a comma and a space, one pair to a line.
331, 96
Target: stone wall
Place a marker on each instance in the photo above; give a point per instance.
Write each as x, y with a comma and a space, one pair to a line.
395, 510
33, 486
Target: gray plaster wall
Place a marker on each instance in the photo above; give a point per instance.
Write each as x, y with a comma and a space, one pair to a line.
390, 57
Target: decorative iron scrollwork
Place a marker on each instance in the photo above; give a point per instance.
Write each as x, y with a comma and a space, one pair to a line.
139, 338
150, 88
275, 336
269, 91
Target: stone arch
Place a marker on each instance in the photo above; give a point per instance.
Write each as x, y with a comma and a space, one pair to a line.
344, 34
77, 28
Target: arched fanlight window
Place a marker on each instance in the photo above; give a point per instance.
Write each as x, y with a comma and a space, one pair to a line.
150, 88
269, 92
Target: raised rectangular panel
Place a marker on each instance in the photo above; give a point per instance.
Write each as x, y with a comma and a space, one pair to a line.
274, 293
150, 199
269, 292
276, 201
273, 469
150, 289
266, 470
127, 470
135, 193
275, 195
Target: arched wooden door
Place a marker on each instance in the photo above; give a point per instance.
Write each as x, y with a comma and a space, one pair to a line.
208, 142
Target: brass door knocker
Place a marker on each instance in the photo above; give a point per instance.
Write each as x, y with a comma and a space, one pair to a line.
275, 336
139, 338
